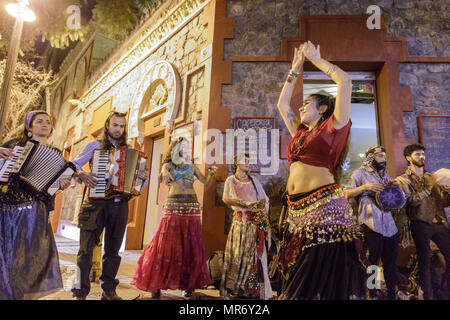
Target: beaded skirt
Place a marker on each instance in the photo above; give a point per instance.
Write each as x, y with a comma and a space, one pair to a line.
321, 237
175, 258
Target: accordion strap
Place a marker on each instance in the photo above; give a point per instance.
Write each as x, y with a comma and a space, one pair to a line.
84, 194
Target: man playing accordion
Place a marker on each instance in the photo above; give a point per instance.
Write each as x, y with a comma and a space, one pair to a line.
110, 213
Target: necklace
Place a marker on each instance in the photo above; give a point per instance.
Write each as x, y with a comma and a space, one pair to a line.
299, 141
241, 176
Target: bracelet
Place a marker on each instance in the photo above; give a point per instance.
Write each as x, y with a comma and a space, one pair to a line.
292, 75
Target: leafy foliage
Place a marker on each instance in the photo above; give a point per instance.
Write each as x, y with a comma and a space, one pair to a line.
27, 93
116, 18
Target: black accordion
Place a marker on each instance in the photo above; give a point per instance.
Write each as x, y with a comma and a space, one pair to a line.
40, 168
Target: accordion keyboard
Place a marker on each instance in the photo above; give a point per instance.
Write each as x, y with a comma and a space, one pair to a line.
6, 166
100, 162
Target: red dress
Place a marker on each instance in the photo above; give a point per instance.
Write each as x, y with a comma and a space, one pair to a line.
175, 258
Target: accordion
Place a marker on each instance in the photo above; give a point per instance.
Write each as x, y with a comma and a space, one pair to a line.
39, 167
117, 171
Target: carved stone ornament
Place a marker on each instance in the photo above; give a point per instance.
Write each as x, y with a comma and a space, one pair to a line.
159, 89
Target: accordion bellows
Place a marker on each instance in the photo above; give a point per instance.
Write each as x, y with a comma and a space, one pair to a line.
40, 167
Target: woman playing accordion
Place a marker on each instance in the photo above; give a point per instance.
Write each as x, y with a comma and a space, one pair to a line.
29, 266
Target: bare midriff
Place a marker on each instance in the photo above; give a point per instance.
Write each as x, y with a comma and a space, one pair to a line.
304, 177
181, 186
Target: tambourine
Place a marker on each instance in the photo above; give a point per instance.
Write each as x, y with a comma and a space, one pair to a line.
391, 198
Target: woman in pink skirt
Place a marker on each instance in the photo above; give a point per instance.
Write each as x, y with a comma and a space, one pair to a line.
175, 258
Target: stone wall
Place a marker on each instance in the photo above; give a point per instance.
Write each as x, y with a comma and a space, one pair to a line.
260, 24
430, 85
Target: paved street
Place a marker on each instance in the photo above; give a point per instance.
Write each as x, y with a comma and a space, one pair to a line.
68, 249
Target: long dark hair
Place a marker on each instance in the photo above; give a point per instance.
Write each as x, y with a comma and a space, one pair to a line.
326, 100
24, 137
330, 102
122, 139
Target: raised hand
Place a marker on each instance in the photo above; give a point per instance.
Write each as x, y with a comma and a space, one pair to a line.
212, 170
299, 58
311, 52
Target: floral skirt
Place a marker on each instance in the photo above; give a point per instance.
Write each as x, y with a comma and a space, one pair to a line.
321, 254
175, 258
245, 270
29, 264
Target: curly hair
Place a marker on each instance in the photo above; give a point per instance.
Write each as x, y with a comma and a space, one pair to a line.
407, 152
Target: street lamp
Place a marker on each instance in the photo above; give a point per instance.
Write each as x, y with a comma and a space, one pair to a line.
22, 13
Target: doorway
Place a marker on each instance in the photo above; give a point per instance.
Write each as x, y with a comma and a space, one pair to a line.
153, 216
364, 116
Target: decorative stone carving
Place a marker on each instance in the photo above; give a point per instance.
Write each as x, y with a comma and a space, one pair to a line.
159, 89
166, 27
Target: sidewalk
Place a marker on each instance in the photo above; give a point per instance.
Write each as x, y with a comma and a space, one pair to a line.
68, 250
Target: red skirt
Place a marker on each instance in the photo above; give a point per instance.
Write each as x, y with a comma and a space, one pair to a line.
175, 258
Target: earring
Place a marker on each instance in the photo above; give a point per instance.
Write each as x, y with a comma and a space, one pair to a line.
29, 134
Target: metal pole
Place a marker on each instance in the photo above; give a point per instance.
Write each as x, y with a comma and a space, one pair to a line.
9, 71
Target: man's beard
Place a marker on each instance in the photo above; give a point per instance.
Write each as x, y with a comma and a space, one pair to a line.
379, 166
418, 164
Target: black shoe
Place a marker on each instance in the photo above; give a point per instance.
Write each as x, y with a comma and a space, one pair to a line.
156, 295
110, 295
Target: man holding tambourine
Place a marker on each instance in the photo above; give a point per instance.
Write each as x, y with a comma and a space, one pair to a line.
372, 186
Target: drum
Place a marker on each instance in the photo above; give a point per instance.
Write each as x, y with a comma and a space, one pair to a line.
391, 198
